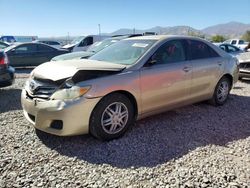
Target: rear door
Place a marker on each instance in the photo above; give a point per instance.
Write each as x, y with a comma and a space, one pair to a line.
23, 55
167, 82
207, 66
45, 53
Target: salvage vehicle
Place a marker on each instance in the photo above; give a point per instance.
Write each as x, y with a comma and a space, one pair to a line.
7, 73
129, 80
31, 54
244, 67
231, 49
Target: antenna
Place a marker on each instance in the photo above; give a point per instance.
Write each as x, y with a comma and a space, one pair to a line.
99, 27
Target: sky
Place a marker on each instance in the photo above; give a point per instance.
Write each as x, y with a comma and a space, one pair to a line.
51, 18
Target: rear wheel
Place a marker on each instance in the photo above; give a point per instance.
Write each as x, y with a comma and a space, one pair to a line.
221, 92
112, 117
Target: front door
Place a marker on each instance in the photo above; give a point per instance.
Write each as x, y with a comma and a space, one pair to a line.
23, 55
166, 83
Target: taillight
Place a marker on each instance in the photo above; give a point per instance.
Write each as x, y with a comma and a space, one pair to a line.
4, 61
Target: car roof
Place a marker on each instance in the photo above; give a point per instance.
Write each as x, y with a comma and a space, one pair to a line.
163, 37
19, 44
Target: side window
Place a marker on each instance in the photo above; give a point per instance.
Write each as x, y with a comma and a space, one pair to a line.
233, 42
232, 49
170, 52
241, 41
223, 47
44, 48
54, 43
86, 41
200, 50
26, 48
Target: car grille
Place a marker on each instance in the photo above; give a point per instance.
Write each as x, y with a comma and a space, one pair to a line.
41, 89
245, 65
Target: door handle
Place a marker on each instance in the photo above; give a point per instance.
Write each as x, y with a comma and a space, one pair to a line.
186, 69
219, 63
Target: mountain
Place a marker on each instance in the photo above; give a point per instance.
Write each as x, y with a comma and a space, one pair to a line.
176, 30
232, 29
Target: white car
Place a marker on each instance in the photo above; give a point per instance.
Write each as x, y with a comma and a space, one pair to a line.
237, 42
83, 43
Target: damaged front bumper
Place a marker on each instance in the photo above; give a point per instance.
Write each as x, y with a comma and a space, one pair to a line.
62, 118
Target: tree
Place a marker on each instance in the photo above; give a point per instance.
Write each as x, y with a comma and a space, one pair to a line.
218, 38
246, 36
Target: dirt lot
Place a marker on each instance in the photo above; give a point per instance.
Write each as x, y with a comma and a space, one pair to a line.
195, 146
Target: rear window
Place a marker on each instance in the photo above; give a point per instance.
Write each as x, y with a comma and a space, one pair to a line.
200, 50
53, 43
26, 48
44, 48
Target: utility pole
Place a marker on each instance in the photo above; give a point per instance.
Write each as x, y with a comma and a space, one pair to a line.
134, 31
68, 38
99, 27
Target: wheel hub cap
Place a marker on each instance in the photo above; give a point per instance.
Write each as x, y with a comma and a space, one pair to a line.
114, 118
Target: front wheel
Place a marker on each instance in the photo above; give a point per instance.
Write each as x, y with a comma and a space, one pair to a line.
112, 117
221, 92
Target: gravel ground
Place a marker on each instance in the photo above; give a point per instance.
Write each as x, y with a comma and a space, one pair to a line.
195, 146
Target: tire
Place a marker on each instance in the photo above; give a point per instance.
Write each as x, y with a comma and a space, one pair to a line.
221, 92
112, 116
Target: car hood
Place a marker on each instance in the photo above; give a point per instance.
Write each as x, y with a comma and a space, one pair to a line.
59, 70
244, 57
68, 45
73, 55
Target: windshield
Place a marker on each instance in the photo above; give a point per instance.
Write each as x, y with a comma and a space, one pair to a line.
77, 40
125, 52
98, 46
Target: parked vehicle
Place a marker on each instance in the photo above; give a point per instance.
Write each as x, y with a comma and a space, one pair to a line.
54, 44
244, 67
93, 49
7, 73
3, 45
237, 42
243, 58
131, 79
83, 43
231, 49
12, 39
31, 54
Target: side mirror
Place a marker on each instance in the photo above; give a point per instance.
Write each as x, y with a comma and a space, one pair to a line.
151, 62
13, 50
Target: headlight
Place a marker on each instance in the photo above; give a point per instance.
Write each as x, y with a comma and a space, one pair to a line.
31, 74
70, 93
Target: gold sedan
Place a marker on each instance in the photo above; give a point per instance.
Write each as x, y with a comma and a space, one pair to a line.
132, 79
